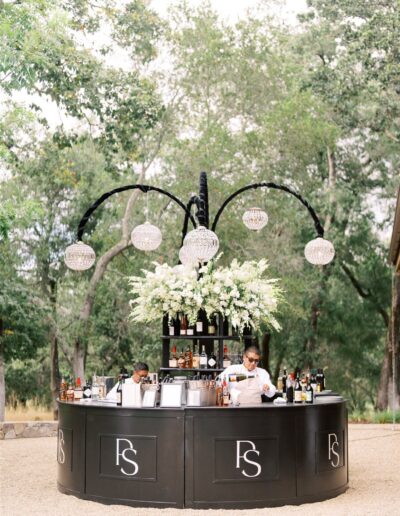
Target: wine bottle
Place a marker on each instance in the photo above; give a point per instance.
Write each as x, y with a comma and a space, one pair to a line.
63, 390
309, 393
289, 389
173, 360
225, 394
284, 380
70, 392
171, 327
183, 330
119, 391
203, 358
78, 392
226, 361
212, 325
298, 391
196, 358
199, 326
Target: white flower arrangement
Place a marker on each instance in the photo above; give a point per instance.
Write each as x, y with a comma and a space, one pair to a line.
239, 293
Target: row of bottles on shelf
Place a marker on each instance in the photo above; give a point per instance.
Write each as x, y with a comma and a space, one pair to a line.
215, 325
301, 387
188, 359
94, 389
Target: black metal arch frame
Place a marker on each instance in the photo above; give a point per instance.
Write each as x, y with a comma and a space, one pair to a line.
201, 202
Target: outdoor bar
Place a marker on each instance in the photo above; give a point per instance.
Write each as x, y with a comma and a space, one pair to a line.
205, 432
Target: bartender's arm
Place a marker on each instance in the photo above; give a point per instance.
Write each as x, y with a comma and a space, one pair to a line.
269, 388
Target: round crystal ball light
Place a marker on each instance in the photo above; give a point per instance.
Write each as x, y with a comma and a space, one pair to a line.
319, 251
202, 244
186, 258
79, 257
146, 237
255, 218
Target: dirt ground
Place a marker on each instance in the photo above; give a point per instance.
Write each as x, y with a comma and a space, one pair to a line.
28, 482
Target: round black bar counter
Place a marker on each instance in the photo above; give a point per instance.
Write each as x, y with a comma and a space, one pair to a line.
203, 457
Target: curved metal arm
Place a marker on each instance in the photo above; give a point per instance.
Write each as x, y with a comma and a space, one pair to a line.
317, 223
143, 188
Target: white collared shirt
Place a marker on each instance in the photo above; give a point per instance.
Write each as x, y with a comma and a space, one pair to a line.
261, 374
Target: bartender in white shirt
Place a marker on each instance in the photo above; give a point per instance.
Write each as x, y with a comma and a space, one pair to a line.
141, 371
251, 358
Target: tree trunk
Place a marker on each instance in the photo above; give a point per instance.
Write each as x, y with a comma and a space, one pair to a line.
54, 366
388, 395
2, 376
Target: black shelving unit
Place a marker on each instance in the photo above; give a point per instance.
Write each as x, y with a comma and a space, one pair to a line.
207, 340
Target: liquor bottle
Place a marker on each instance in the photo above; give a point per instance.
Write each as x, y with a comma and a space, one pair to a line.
190, 330
218, 393
70, 392
323, 380
119, 391
212, 326
212, 361
226, 361
87, 391
320, 386
309, 393
181, 360
289, 389
171, 327
183, 330
173, 359
95, 388
298, 391
188, 358
203, 358
313, 380
63, 390
78, 392
284, 380
196, 358
225, 394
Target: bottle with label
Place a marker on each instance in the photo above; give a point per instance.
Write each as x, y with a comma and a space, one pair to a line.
313, 380
95, 388
78, 391
323, 380
298, 391
212, 361
184, 325
309, 393
212, 325
171, 326
226, 361
284, 382
190, 330
320, 380
119, 391
218, 393
203, 358
63, 390
225, 394
199, 326
196, 358
173, 359
181, 360
87, 391
188, 358
70, 392
289, 389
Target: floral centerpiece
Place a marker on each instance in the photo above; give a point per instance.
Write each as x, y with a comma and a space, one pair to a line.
239, 293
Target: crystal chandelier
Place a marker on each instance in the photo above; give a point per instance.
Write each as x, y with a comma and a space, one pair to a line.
146, 237
79, 257
319, 251
201, 244
255, 219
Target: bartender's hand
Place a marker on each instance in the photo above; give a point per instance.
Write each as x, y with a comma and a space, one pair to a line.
265, 387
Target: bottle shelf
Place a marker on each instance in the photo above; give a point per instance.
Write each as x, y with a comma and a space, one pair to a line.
183, 369
202, 337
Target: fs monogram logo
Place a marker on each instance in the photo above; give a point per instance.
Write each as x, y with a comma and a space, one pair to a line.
245, 457
61, 442
127, 454
333, 447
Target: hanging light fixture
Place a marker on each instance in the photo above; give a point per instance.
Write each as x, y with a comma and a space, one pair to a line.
79, 257
186, 258
201, 244
255, 219
319, 251
146, 237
